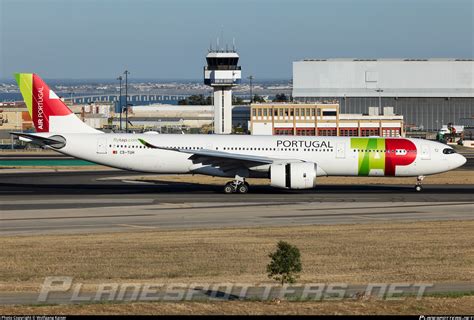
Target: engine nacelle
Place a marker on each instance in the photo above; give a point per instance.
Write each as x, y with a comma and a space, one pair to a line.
294, 175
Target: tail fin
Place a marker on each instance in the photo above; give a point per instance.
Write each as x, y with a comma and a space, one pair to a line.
48, 112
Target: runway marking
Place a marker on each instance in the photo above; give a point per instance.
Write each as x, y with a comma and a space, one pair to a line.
358, 214
56, 227
136, 182
81, 217
136, 226
392, 206
237, 205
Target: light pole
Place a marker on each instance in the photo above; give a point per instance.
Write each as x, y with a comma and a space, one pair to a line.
120, 100
380, 99
251, 95
126, 73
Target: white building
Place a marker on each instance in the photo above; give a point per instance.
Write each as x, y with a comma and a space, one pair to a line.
428, 92
321, 120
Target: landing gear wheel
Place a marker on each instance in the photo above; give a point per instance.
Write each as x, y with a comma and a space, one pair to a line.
419, 181
243, 188
229, 188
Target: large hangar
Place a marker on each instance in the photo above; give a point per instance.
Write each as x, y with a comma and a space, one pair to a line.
427, 92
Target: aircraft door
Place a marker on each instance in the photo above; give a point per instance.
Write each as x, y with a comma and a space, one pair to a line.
340, 150
208, 146
425, 152
101, 146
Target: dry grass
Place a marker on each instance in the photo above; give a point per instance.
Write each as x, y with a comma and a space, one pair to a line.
463, 305
392, 252
452, 177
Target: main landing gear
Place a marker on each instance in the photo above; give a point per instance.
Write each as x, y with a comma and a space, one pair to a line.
239, 185
418, 186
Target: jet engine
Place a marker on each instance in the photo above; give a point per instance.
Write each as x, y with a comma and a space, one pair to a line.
293, 175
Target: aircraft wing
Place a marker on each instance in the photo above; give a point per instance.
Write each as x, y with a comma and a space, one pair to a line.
53, 141
224, 160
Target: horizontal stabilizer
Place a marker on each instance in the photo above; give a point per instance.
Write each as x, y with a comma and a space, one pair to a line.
55, 141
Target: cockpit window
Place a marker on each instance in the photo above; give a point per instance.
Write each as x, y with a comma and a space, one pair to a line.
448, 151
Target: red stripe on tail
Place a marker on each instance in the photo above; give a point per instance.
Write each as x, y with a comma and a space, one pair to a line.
45, 106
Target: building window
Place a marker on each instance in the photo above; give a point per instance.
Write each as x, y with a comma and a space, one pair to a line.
349, 132
283, 131
390, 132
305, 132
328, 132
259, 112
366, 132
329, 113
265, 112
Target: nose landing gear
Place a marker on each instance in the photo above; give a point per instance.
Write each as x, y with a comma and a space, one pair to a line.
239, 185
418, 186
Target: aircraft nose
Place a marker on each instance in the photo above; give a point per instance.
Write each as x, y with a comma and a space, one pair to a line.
456, 161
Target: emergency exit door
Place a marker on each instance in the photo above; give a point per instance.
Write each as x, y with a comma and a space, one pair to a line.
102, 146
340, 150
425, 152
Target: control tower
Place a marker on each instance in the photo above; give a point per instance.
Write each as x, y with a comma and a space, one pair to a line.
222, 73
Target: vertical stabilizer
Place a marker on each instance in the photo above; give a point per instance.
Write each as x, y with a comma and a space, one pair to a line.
48, 112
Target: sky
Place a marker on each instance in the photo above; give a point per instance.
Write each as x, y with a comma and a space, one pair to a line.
168, 39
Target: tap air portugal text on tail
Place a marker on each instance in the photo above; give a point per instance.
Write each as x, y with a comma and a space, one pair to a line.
291, 162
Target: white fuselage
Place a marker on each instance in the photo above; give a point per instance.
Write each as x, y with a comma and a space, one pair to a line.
334, 156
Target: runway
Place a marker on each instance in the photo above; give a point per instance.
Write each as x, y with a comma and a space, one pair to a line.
22, 185
72, 202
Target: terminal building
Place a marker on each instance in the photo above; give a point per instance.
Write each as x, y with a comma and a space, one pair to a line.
322, 120
427, 92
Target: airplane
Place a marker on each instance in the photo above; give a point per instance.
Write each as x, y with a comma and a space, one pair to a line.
290, 162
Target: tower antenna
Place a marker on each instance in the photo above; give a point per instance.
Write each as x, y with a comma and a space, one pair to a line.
222, 37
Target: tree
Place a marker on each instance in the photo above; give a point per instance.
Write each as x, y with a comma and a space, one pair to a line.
285, 264
280, 97
237, 100
197, 100
257, 98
